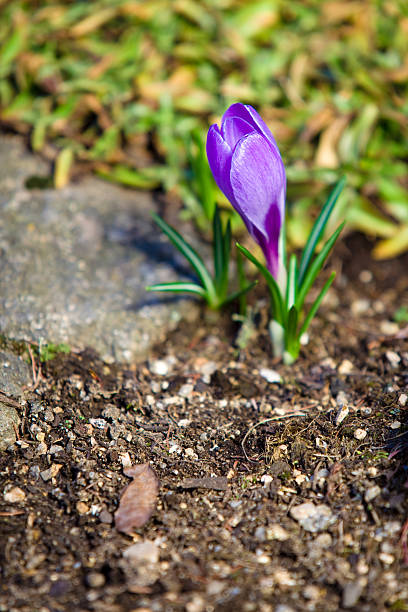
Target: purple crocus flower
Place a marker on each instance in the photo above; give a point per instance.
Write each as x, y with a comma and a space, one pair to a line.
247, 166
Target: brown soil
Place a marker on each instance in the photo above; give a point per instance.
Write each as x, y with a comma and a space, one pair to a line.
235, 545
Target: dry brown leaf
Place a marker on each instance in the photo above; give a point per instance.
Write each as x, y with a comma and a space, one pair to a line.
326, 154
138, 500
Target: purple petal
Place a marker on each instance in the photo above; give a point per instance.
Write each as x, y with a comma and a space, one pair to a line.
233, 129
219, 155
249, 114
257, 179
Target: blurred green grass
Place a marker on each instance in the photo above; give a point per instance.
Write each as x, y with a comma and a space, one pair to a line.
116, 87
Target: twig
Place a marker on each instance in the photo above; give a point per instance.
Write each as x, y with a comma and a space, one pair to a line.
274, 418
37, 375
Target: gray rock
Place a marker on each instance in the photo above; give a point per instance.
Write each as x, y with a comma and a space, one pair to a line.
8, 421
75, 263
14, 374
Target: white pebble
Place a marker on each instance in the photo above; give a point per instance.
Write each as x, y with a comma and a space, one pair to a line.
341, 415
277, 532
402, 400
393, 358
270, 375
346, 367
186, 390
360, 434
142, 553
389, 328
366, 276
386, 558
360, 306
184, 423
395, 425
313, 518
14, 495
159, 367
371, 493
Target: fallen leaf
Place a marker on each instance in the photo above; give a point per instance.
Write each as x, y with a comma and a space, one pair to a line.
138, 500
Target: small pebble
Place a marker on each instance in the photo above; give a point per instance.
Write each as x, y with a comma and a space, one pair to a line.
82, 508
282, 577
142, 553
402, 400
105, 517
341, 415
311, 592
360, 434
395, 425
159, 367
360, 306
14, 495
186, 390
313, 518
99, 423
389, 328
95, 580
371, 493
184, 423
393, 358
366, 276
352, 592
271, 376
386, 558
277, 532
51, 472
346, 367
56, 448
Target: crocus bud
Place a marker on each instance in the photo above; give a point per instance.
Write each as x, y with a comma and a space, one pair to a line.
247, 166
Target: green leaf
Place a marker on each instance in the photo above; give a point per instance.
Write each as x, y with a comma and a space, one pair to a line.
276, 297
318, 229
292, 324
178, 287
315, 267
291, 286
316, 304
192, 257
218, 250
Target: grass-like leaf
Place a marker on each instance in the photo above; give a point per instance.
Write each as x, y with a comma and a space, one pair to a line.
291, 328
318, 229
291, 285
276, 297
316, 304
315, 267
191, 255
218, 250
178, 287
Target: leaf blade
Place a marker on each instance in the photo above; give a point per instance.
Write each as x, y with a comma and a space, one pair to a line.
318, 229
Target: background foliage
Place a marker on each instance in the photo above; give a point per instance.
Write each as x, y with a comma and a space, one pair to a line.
117, 86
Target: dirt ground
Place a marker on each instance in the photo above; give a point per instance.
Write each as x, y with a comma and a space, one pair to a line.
202, 408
